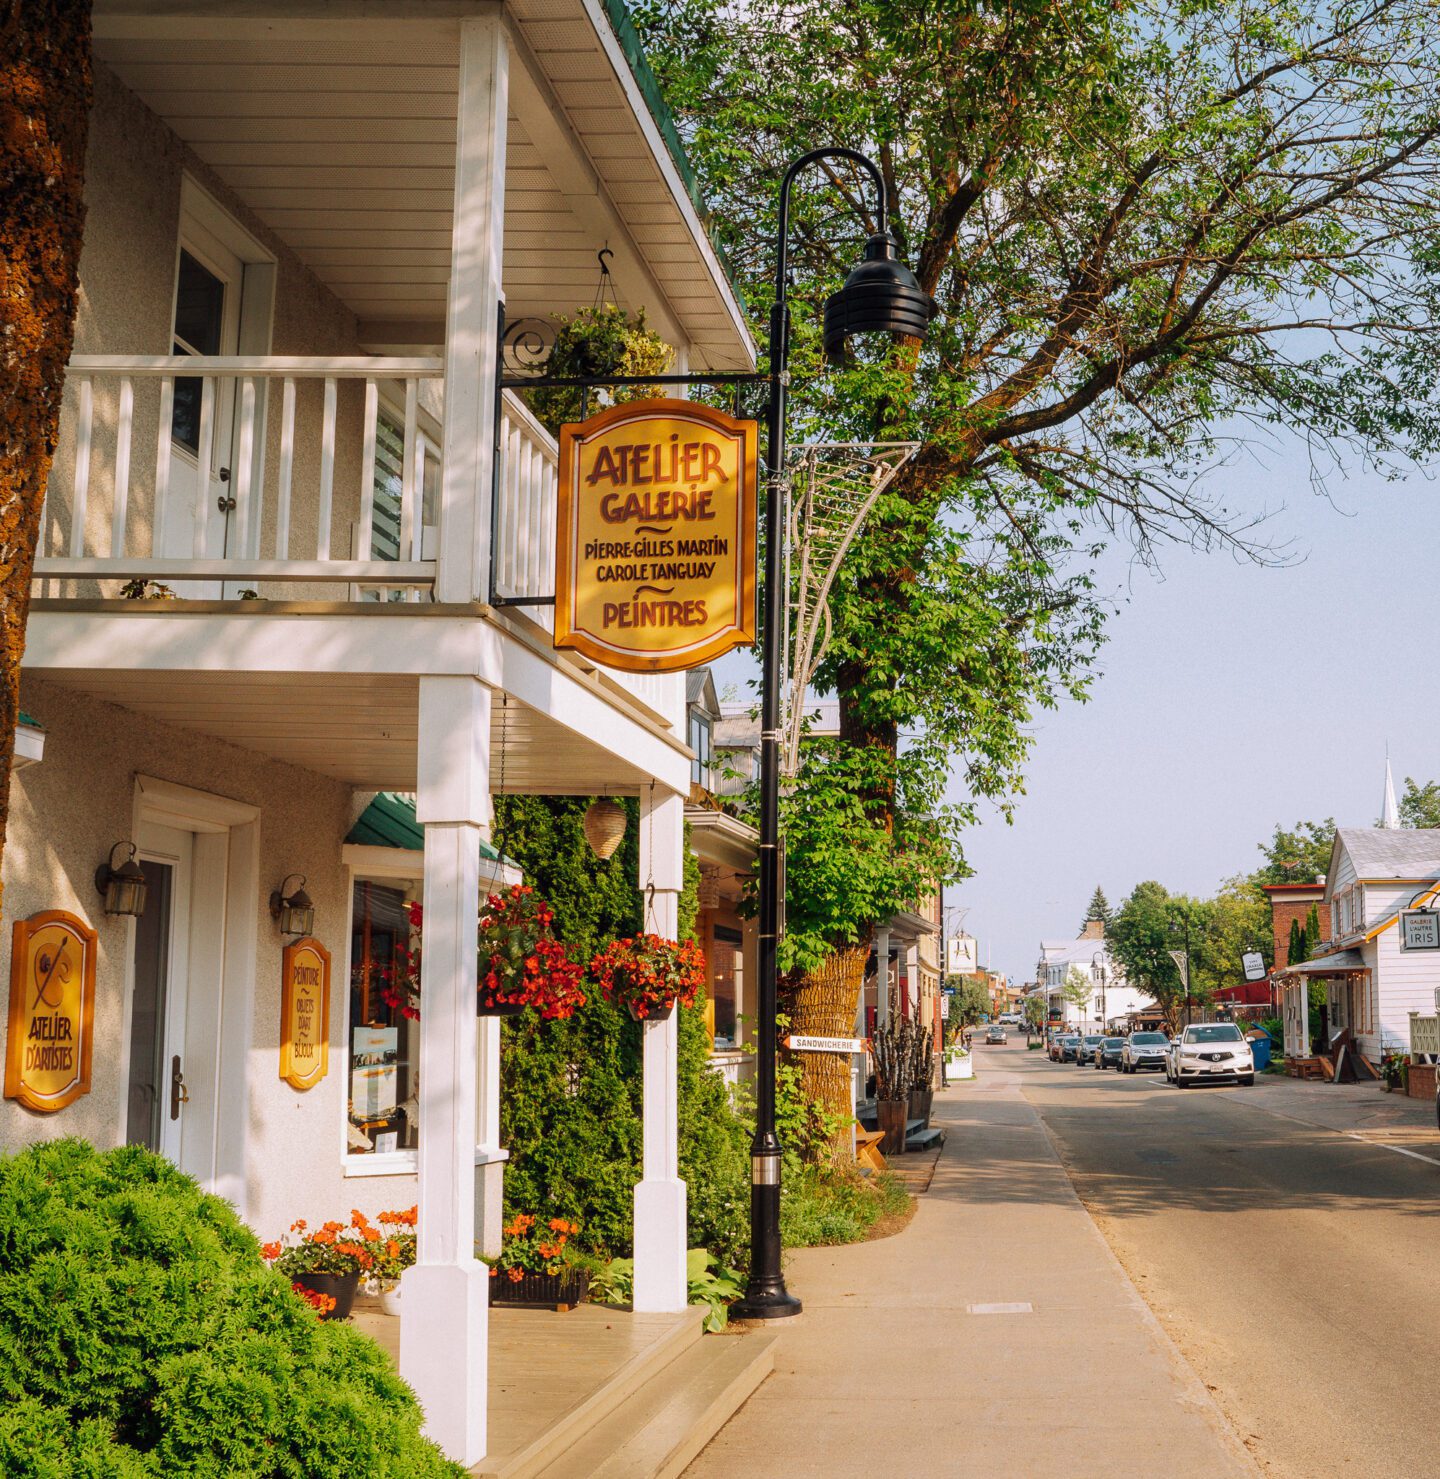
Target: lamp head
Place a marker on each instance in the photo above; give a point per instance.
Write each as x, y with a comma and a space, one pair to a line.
881, 296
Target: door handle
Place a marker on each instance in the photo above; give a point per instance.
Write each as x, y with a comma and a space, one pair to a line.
179, 1094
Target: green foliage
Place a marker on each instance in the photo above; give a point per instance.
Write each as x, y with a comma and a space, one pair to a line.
710, 1283
1146, 928
145, 1336
971, 1000
1099, 908
570, 1107
1077, 988
1295, 946
593, 343
1034, 1012
1420, 805
1300, 854
821, 1206
1146, 234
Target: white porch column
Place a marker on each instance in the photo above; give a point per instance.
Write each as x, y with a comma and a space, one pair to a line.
660, 1195
472, 313
882, 978
445, 1298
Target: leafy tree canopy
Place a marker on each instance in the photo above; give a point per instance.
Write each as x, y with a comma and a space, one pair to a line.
1420, 805
1152, 229
1300, 854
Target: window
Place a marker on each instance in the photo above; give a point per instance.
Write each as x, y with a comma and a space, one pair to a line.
383, 1044
726, 973
700, 742
199, 325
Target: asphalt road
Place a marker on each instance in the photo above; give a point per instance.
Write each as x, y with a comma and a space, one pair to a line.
1295, 1266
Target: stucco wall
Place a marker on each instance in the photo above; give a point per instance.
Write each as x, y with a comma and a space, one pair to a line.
134, 170
67, 812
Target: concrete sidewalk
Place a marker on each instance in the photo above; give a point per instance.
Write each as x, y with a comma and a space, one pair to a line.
996, 1335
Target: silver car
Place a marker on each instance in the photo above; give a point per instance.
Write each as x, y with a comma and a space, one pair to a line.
1143, 1050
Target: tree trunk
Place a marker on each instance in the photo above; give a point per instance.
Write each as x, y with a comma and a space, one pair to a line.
824, 1005
45, 91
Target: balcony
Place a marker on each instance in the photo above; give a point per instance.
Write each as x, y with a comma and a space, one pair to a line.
289, 479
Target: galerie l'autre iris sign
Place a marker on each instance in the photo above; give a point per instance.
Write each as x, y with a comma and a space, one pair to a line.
655, 554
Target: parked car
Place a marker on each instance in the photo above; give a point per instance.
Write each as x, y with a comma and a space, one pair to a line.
1210, 1051
994, 1033
1069, 1045
1107, 1055
1145, 1050
1088, 1044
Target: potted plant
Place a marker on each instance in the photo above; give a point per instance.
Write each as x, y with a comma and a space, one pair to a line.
922, 1071
520, 964
595, 342
393, 1254
892, 1087
647, 975
328, 1261
537, 1268
1394, 1071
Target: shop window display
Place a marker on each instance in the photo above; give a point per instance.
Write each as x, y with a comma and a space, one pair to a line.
384, 1038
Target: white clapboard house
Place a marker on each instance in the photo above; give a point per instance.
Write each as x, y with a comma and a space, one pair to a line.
304, 219
1372, 983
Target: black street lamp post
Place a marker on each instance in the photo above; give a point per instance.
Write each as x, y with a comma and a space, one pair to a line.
880, 296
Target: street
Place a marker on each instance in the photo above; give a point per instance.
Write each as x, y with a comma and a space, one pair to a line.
1292, 1264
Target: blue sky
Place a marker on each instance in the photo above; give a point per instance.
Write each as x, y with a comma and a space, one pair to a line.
1231, 698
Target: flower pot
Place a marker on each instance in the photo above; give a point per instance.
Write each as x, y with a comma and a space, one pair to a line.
655, 1014
890, 1115
499, 1008
562, 1291
340, 1287
390, 1298
920, 1101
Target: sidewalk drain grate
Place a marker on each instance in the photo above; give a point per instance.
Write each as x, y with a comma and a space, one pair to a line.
1000, 1309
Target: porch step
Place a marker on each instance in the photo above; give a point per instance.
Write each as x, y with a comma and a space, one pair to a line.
660, 1430
925, 1139
647, 1366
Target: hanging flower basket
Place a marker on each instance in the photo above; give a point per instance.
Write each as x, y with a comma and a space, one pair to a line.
648, 975
521, 963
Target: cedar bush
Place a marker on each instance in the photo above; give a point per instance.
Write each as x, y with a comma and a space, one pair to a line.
145, 1336
570, 1102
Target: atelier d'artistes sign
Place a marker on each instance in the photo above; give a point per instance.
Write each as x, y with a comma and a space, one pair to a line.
305, 1014
655, 553
52, 1011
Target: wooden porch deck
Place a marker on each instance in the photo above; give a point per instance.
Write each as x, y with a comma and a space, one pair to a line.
553, 1376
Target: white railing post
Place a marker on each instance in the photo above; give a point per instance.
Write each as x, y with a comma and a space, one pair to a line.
367, 472
204, 458
327, 471
121, 507
472, 315
287, 469
80, 494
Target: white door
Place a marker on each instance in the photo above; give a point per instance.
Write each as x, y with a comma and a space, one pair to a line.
208, 283
175, 1000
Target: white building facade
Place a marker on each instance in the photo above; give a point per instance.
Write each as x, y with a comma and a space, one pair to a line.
288, 508
1111, 998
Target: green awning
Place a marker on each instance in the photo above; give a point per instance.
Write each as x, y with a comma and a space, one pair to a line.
389, 821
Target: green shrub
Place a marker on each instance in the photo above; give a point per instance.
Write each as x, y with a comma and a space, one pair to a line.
144, 1335
825, 1205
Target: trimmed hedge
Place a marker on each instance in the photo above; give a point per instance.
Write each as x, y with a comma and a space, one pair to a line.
143, 1335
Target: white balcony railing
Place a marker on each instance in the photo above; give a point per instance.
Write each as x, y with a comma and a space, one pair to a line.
173, 470
1424, 1034
218, 476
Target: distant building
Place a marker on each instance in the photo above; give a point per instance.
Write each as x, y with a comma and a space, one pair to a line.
1112, 999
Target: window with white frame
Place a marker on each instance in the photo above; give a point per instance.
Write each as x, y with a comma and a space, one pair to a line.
382, 1042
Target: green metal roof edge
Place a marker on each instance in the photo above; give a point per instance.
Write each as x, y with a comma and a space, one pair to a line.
389, 821
27, 721
634, 50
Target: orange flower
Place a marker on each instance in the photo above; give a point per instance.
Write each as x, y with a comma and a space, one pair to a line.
516, 1275
270, 1252
392, 1249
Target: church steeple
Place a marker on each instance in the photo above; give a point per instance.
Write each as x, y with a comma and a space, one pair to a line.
1389, 812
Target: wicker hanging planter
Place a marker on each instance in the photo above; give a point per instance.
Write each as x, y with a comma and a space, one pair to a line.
605, 823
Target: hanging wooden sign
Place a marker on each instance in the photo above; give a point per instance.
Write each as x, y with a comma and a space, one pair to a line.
656, 546
305, 1014
52, 1011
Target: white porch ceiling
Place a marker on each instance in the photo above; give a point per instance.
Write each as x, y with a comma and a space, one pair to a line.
358, 728
340, 135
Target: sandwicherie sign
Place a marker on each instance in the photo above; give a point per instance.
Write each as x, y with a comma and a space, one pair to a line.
655, 550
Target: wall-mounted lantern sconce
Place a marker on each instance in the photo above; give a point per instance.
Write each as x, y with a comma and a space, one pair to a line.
604, 826
296, 911
124, 887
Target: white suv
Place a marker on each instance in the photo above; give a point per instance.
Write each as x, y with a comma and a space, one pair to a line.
1210, 1051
